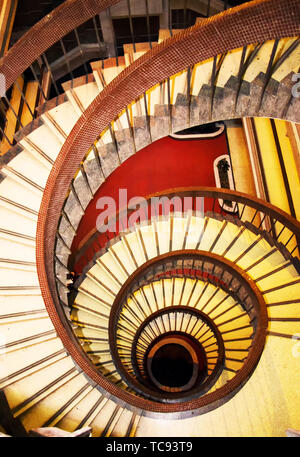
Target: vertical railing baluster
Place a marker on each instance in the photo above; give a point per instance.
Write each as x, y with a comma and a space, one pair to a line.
213, 207
2, 109
147, 115
66, 59
81, 51
130, 128
24, 98
5, 136
169, 105
255, 214
148, 24
241, 215
290, 239
131, 25
13, 111
170, 18
184, 14
262, 221
189, 77
108, 11
98, 39
296, 247
44, 57
208, 8
39, 83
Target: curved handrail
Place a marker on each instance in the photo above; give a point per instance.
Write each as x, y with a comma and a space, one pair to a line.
194, 393
258, 339
231, 285
46, 32
234, 28
136, 78
151, 68
73, 13
255, 309
238, 198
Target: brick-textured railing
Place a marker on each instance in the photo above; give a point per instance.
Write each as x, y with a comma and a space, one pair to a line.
254, 22
250, 207
46, 32
240, 288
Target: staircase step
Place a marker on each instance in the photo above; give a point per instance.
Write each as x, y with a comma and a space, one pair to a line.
42, 139
19, 196
27, 165
81, 96
61, 119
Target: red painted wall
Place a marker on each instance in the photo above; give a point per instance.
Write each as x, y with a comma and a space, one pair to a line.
164, 164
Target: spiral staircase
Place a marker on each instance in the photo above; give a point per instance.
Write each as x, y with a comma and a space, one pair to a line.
220, 287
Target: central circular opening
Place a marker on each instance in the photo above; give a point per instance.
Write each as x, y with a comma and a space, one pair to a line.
172, 365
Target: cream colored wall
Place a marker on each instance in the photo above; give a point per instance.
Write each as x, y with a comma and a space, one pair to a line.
266, 406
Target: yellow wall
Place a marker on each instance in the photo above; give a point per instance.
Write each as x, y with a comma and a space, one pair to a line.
6, 21
240, 160
31, 97
11, 121
267, 405
290, 163
271, 165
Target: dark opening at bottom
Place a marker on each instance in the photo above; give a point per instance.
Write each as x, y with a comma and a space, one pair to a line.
172, 365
